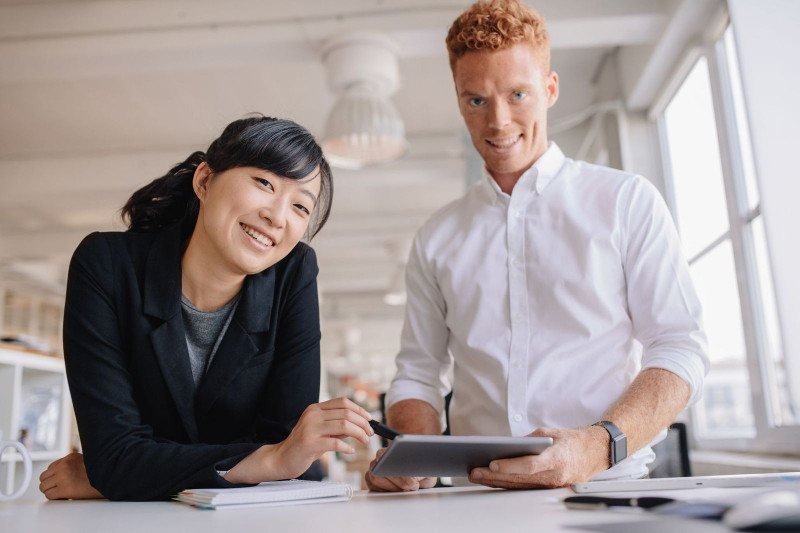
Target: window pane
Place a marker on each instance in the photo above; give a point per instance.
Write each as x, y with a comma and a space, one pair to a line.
725, 409
783, 391
694, 158
742, 125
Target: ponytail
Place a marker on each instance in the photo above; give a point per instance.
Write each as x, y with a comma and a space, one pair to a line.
165, 200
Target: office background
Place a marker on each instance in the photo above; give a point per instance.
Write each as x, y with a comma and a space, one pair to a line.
99, 97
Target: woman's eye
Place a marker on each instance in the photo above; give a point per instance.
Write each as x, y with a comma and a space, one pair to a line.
265, 183
302, 208
519, 95
475, 101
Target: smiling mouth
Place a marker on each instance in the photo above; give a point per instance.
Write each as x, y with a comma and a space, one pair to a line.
508, 142
256, 236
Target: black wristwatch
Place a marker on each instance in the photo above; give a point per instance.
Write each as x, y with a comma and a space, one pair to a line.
619, 442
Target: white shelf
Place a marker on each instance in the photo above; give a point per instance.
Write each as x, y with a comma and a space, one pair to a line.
29, 377
12, 456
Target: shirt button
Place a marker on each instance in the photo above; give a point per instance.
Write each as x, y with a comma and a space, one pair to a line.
517, 364
517, 418
518, 316
517, 263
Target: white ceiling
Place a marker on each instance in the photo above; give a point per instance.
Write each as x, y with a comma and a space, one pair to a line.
98, 97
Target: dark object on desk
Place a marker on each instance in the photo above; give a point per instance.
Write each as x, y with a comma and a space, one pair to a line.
672, 454
604, 502
662, 524
694, 509
383, 430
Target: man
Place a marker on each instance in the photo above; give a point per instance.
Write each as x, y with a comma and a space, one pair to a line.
555, 289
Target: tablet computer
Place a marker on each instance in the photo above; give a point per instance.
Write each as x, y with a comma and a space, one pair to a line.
449, 456
777, 480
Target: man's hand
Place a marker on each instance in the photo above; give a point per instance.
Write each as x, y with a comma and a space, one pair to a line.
395, 484
66, 479
575, 456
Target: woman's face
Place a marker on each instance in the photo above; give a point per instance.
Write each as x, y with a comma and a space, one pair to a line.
252, 218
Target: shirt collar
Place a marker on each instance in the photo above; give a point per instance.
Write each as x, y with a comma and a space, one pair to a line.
536, 178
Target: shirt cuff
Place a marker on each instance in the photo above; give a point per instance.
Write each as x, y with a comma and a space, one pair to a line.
690, 367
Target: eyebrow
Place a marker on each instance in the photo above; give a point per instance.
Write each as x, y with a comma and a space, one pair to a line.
309, 194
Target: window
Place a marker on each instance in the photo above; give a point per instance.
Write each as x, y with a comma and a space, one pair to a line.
713, 194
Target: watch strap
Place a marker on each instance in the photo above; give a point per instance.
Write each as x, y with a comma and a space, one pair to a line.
618, 446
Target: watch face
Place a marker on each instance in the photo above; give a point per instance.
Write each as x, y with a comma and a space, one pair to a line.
619, 448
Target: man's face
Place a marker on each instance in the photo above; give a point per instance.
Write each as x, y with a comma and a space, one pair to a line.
503, 97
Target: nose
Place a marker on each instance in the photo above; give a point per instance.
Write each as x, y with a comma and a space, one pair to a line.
500, 114
276, 212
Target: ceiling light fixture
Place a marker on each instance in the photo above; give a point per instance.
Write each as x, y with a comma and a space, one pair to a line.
363, 127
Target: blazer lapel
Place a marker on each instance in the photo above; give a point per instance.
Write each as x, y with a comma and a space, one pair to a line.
241, 341
162, 297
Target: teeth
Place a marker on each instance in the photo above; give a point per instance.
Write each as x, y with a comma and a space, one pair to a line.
504, 143
260, 237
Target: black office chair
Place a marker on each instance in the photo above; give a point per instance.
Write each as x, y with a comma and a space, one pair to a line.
672, 454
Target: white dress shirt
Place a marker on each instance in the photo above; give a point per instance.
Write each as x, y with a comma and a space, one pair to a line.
547, 303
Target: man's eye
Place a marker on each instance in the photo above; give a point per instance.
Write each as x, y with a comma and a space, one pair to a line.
519, 95
265, 183
302, 208
475, 101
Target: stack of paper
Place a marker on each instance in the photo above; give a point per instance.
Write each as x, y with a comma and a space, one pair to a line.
267, 494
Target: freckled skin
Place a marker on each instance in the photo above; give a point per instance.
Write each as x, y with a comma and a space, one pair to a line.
502, 95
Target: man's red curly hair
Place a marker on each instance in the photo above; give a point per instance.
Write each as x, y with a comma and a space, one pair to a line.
490, 25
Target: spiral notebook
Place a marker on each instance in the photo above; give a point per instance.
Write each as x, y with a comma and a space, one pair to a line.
268, 494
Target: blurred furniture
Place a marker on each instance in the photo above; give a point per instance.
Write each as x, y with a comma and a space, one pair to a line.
672, 454
35, 409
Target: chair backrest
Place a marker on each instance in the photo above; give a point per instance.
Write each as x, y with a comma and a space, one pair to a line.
672, 454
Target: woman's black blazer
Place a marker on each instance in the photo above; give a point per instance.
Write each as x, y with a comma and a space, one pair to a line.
146, 432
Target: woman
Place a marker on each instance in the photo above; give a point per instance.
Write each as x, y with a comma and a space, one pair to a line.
191, 341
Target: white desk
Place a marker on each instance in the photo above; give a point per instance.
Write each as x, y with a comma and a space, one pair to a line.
463, 509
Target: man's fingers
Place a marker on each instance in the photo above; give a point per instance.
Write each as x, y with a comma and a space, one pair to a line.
404, 484
484, 476
528, 465
380, 484
387, 484
427, 483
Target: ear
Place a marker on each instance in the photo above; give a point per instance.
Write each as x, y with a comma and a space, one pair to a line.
202, 175
551, 86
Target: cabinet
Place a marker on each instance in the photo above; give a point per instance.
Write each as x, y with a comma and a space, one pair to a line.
36, 409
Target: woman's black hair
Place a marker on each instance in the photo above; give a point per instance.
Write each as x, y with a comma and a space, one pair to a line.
277, 145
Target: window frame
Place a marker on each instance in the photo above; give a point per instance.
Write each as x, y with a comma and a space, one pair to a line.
768, 437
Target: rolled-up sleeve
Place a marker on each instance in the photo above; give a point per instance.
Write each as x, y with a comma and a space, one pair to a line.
664, 307
423, 362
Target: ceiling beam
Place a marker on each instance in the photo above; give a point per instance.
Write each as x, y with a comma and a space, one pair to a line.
131, 38
644, 69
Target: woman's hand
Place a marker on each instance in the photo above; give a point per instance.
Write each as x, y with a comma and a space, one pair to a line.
66, 479
320, 429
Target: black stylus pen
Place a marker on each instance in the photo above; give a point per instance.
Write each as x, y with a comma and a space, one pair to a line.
383, 430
